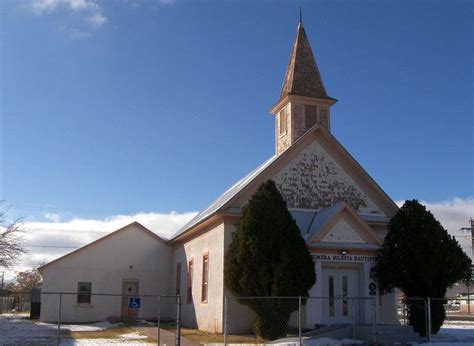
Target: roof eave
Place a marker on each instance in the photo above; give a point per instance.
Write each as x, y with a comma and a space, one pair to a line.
329, 101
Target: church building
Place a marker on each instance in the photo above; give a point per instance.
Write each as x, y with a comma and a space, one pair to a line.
340, 210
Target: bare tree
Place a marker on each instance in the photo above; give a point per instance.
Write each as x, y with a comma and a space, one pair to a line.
12, 244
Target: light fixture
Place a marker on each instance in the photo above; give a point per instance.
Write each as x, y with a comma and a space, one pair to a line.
344, 252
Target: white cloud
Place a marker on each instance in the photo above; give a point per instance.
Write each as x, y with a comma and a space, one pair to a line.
453, 215
52, 217
80, 5
87, 10
50, 240
43, 6
96, 20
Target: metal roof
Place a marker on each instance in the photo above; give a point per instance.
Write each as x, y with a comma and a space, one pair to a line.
225, 197
309, 221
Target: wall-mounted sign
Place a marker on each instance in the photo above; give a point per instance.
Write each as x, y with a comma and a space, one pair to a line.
134, 303
343, 258
372, 289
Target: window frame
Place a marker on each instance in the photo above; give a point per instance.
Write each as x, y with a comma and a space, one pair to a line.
283, 122
307, 123
81, 293
189, 288
205, 278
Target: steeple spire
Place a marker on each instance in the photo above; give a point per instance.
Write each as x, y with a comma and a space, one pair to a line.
302, 75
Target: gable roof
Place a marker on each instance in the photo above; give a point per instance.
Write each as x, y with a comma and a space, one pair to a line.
249, 183
135, 223
328, 218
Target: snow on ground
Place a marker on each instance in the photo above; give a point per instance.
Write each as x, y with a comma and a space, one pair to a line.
124, 339
459, 333
15, 329
90, 327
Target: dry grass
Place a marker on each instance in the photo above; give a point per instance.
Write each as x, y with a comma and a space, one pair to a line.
109, 333
204, 337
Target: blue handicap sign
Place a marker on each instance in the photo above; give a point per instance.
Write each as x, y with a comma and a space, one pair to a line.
133, 303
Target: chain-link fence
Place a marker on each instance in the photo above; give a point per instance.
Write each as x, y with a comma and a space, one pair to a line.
425, 316
65, 314
296, 319
300, 320
245, 320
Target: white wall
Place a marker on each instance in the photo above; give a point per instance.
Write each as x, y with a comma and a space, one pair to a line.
206, 316
240, 318
105, 264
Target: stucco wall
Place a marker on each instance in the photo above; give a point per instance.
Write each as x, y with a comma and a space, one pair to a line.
208, 315
240, 318
105, 264
314, 180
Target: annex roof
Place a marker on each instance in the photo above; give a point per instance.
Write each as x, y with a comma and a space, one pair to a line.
135, 223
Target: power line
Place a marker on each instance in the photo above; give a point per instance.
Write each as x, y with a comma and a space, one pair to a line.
29, 207
54, 246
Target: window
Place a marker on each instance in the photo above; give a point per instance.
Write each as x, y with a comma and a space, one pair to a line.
283, 121
178, 278
205, 278
345, 302
331, 295
84, 290
189, 297
310, 115
323, 118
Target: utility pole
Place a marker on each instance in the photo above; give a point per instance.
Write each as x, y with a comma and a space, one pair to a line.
470, 229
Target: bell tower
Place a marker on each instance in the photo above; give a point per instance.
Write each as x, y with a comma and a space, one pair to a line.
303, 99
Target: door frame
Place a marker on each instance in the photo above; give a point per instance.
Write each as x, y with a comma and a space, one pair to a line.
125, 311
353, 306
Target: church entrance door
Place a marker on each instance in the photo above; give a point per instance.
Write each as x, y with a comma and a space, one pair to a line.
340, 287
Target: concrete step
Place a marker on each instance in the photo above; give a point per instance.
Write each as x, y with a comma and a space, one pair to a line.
388, 334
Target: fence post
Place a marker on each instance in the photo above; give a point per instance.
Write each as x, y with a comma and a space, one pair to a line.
374, 319
428, 307
59, 319
353, 320
225, 320
159, 321
178, 320
299, 319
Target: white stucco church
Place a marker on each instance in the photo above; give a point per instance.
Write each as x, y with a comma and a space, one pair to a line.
340, 210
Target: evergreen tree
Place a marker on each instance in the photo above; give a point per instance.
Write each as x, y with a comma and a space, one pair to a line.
268, 257
422, 259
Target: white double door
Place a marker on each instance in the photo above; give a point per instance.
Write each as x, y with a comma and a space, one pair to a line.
340, 289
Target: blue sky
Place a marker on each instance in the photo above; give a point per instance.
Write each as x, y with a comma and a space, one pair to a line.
125, 106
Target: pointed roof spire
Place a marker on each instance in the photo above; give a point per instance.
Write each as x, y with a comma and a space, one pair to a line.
302, 75
300, 23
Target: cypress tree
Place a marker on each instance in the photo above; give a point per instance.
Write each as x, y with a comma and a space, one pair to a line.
268, 257
423, 260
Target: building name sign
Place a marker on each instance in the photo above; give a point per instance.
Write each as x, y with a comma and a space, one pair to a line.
343, 258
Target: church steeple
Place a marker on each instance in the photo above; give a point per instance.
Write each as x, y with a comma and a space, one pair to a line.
302, 75
303, 98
